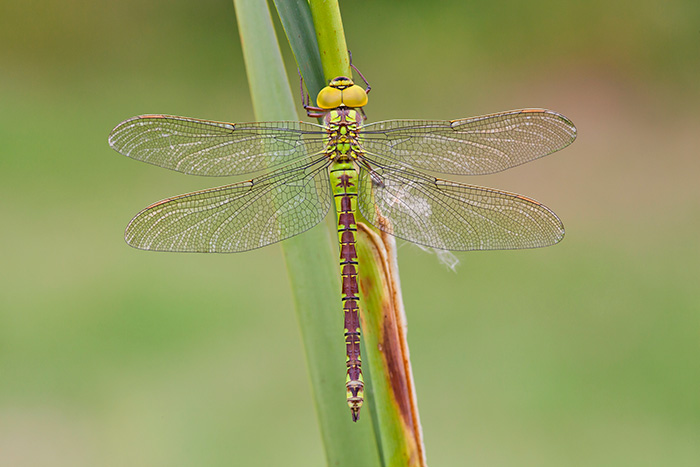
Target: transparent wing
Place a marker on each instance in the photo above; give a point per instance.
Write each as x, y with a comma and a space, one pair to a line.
202, 147
453, 216
469, 146
236, 217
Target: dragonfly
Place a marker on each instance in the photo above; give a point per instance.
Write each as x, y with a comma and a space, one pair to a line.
380, 170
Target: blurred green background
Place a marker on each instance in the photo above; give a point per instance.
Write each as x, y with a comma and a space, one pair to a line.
583, 354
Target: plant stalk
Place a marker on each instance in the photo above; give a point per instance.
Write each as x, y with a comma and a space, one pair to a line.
311, 259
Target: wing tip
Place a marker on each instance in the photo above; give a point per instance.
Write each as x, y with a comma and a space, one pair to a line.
566, 121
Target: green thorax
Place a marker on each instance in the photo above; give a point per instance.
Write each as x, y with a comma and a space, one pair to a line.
343, 126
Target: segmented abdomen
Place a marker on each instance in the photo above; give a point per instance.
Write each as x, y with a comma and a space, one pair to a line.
344, 177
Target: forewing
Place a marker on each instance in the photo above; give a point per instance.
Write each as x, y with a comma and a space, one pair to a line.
453, 216
236, 217
202, 147
469, 146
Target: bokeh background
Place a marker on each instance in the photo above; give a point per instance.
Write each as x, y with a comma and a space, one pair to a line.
582, 354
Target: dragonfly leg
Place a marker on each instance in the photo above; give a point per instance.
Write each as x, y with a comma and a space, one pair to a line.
304, 96
311, 111
374, 176
368, 88
314, 112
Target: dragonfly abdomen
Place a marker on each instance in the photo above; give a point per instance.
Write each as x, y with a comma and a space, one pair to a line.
344, 178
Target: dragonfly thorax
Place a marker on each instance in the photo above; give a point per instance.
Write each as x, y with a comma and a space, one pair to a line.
343, 125
341, 92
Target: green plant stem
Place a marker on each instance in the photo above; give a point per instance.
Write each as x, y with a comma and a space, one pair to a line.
269, 88
311, 259
384, 329
390, 387
298, 25
312, 264
331, 38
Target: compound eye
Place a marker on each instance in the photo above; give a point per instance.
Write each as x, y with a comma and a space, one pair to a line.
329, 98
354, 96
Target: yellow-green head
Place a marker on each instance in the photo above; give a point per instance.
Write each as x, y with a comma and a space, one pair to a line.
341, 91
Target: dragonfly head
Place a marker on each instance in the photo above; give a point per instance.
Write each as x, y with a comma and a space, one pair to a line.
341, 91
